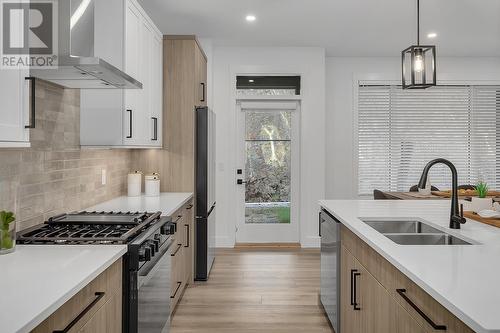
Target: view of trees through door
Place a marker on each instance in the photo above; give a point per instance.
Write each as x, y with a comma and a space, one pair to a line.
267, 166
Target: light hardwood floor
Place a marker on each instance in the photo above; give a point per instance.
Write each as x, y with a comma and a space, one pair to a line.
255, 290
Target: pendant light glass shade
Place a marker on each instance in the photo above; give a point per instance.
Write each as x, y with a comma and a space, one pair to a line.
418, 63
419, 66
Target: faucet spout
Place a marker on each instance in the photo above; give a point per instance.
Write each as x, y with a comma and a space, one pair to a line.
456, 219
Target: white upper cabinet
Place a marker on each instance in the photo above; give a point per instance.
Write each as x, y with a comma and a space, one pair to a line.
14, 112
128, 118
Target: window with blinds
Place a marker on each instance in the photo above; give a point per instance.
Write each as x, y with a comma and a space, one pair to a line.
399, 131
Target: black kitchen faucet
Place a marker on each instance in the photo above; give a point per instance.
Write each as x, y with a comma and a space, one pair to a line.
456, 217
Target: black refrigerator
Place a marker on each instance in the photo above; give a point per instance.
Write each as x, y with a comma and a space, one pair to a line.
205, 192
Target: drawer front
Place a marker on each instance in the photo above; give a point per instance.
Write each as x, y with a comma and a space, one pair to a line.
424, 309
73, 314
107, 319
429, 313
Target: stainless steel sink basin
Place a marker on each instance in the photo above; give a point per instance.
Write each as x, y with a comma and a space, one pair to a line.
426, 239
402, 227
412, 232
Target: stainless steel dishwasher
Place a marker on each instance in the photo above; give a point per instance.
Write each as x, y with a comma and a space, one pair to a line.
329, 229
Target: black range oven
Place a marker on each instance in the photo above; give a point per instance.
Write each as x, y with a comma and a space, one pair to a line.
146, 265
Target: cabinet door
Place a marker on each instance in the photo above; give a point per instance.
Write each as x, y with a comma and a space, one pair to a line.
14, 94
201, 78
188, 243
134, 118
350, 319
156, 90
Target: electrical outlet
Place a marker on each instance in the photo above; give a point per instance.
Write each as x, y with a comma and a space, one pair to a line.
103, 176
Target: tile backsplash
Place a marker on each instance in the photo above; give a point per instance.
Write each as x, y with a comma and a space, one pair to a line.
55, 175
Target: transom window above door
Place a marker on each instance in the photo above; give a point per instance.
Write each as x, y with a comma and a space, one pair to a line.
399, 131
268, 85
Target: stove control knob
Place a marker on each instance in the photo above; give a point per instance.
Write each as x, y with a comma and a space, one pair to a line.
144, 253
156, 243
167, 229
152, 247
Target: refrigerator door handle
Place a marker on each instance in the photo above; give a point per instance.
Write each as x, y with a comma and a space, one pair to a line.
211, 209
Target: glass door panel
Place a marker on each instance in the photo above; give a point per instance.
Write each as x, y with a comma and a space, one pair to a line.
268, 151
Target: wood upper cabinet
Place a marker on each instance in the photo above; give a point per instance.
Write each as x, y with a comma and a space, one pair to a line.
14, 113
388, 300
201, 77
97, 308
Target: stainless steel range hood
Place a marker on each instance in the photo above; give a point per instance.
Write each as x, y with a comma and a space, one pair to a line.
78, 66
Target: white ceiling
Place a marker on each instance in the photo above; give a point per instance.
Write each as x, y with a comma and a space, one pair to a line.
343, 27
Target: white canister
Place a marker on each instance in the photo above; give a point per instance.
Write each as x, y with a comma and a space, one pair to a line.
134, 184
479, 204
152, 185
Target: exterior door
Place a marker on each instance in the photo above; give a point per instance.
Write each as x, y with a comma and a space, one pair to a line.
267, 172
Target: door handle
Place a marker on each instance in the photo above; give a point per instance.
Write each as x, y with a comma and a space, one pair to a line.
155, 129
202, 92
129, 136
33, 102
179, 284
354, 275
241, 182
402, 293
188, 236
97, 297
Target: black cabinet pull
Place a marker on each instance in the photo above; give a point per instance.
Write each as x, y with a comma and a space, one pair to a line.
402, 293
176, 250
187, 232
129, 136
352, 285
98, 296
33, 102
179, 284
155, 129
319, 224
354, 293
189, 207
202, 92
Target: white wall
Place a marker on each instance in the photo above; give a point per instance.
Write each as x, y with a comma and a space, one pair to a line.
341, 75
310, 64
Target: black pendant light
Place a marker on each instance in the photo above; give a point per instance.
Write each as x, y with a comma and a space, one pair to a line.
419, 63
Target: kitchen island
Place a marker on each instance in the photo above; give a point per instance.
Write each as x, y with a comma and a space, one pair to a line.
461, 278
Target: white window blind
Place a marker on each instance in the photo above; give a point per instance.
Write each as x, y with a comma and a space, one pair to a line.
399, 131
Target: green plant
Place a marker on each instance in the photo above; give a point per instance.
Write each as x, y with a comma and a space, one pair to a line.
6, 218
482, 189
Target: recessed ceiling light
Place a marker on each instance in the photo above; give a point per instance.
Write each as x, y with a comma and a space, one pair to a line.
251, 81
250, 18
432, 35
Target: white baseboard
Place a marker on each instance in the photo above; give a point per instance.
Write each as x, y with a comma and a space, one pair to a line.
311, 242
224, 242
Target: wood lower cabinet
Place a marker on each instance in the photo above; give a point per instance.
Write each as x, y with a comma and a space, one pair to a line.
97, 308
182, 254
377, 297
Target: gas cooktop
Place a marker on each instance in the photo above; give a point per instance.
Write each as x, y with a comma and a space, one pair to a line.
89, 228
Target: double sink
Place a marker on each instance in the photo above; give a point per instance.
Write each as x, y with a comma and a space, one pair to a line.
413, 232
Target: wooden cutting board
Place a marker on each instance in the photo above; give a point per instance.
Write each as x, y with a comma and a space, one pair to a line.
475, 217
447, 194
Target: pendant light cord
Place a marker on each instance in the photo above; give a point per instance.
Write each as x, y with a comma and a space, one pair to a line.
418, 22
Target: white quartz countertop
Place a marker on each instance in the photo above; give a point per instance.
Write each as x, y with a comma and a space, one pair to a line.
167, 203
463, 278
36, 280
